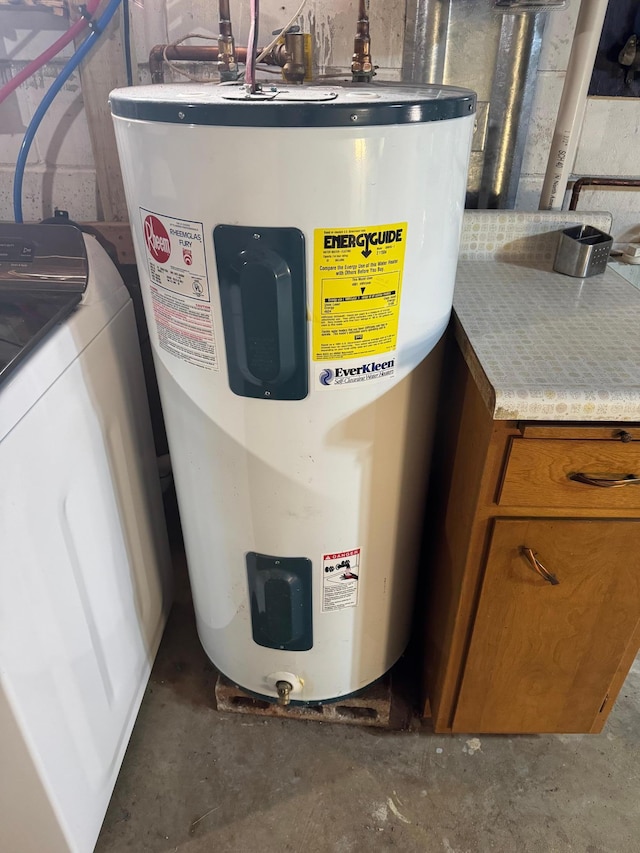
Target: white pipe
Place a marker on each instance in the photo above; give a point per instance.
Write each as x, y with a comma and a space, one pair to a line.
572, 103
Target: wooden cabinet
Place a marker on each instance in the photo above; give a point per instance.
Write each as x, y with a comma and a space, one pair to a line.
533, 613
549, 648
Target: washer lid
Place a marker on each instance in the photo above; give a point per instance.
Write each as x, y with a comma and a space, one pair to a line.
292, 106
65, 341
42, 258
43, 274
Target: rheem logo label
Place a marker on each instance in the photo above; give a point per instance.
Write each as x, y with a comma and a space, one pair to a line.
157, 239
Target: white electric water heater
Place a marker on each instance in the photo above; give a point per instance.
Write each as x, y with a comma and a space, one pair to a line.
297, 252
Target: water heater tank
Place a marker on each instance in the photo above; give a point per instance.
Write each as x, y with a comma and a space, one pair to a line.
297, 253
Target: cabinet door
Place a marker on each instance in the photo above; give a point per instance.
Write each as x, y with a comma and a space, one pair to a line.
542, 656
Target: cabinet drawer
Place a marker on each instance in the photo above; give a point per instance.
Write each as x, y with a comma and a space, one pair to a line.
572, 474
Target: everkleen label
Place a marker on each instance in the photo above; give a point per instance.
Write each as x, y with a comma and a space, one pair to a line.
356, 372
357, 286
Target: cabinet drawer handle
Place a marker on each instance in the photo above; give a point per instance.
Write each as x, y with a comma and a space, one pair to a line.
605, 482
538, 567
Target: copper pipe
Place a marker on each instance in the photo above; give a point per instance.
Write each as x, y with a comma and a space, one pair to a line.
227, 62
194, 53
599, 182
361, 65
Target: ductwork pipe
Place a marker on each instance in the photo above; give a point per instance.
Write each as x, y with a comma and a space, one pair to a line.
425, 41
511, 101
573, 103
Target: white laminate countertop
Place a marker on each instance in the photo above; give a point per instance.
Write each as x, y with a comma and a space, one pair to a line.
541, 345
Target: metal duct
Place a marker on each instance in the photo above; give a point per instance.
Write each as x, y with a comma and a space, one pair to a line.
471, 43
425, 41
510, 108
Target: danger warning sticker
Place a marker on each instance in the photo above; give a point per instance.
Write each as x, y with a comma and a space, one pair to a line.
180, 288
340, 580
357, 282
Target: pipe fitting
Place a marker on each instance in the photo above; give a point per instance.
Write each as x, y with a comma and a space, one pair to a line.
295, 66
284, 689
227, 63
362, 70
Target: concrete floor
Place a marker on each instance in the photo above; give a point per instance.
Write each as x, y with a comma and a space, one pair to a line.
198, 781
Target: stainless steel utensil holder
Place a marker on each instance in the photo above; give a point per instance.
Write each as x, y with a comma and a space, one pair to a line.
582, 251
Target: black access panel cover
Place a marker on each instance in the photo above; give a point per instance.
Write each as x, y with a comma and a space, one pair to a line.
262, 278
280, 591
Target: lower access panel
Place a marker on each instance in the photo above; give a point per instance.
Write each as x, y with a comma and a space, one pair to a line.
281, 601
261, 273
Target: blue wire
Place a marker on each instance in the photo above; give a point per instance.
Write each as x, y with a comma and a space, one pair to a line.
97, 30
126, 38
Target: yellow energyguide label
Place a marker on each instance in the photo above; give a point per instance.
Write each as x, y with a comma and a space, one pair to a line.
357, 280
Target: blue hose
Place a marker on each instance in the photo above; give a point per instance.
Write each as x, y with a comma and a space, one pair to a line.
96, 31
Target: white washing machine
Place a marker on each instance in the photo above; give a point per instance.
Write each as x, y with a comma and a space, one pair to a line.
84, 557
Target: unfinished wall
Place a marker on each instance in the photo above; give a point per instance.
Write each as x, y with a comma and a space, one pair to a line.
331, 23
62, 169
609, 139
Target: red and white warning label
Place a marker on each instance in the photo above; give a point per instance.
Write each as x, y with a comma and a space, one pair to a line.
185, 330
340, 580
180, 288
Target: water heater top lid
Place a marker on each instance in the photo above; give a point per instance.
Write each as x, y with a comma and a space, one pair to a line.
290, 106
